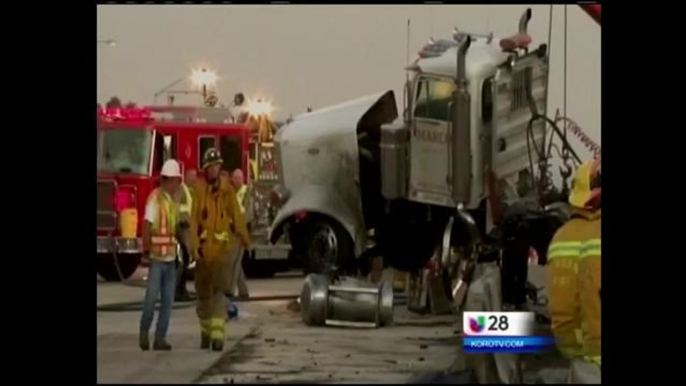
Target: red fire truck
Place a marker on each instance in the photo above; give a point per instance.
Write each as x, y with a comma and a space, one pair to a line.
132, 146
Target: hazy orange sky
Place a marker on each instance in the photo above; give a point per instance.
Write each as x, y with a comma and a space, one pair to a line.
300, 55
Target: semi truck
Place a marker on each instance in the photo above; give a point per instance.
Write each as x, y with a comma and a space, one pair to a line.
435, 186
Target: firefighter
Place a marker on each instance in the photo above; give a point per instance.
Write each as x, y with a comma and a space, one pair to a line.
184, 198
574, 272
215, 217
240, 287
159, 243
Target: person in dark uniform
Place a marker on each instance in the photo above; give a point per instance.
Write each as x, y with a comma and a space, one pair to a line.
184, 197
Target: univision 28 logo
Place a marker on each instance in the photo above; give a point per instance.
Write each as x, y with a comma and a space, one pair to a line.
498, 323
477, 324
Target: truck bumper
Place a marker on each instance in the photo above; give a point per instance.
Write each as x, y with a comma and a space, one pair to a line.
271, 252
121, 245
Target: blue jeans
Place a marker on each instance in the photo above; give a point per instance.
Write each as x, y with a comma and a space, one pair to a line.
162, 283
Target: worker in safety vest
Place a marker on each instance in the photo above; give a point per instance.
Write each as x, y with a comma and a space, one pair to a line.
574, 272
215, 217
160, 246
184, 198
240, 287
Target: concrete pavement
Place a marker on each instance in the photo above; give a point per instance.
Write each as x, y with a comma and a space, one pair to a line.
270, 344
121, 361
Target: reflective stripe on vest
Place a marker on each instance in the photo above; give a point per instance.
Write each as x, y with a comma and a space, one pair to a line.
221, 236
240, 197
187, 204
588, 248
164, 240
564, 249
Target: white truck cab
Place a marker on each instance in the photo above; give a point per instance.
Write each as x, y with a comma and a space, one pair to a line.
357, 176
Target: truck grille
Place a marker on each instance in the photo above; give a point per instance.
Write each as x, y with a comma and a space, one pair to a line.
106, 215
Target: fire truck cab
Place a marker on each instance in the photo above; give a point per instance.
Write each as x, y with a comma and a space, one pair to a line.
132, 146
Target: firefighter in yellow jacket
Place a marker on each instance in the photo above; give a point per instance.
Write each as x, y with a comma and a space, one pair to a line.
574, 271
215, 219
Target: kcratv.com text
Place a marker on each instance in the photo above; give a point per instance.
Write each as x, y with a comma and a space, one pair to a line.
512, 343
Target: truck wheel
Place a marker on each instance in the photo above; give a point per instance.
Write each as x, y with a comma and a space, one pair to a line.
328, 247
108, 270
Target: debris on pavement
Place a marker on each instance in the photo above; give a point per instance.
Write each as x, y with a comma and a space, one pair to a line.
445, 377
360, 303
293, 306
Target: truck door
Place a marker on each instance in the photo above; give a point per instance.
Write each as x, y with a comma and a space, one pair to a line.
430, 139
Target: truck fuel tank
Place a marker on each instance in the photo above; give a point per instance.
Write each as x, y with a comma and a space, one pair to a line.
394, 165
348, 302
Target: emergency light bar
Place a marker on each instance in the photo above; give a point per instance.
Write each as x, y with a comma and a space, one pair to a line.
125, 114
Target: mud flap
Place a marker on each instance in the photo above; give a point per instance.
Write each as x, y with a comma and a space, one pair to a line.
427, 294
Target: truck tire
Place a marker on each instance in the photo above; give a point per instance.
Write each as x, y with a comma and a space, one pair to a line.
327, 247
107, 268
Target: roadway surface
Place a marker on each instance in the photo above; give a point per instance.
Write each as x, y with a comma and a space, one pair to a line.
270, 344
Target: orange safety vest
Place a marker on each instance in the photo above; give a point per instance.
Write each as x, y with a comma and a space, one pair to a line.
164, 228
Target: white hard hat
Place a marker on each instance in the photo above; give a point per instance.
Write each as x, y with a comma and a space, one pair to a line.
171, 169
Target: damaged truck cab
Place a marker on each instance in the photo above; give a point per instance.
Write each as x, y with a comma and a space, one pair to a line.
357, 179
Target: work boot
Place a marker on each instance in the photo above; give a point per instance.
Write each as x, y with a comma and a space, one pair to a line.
144, 341
161, 345
217, 345
204, 341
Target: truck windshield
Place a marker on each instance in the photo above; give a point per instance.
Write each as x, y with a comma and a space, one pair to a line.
125, 151
433, 98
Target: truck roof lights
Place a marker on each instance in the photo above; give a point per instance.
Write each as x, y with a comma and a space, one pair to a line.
125, 114
436, 48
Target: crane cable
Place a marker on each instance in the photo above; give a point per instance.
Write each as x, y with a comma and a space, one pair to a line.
545, 176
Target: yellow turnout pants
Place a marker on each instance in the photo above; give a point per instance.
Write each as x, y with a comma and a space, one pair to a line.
210, 284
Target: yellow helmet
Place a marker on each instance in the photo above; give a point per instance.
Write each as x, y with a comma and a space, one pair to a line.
586, 184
